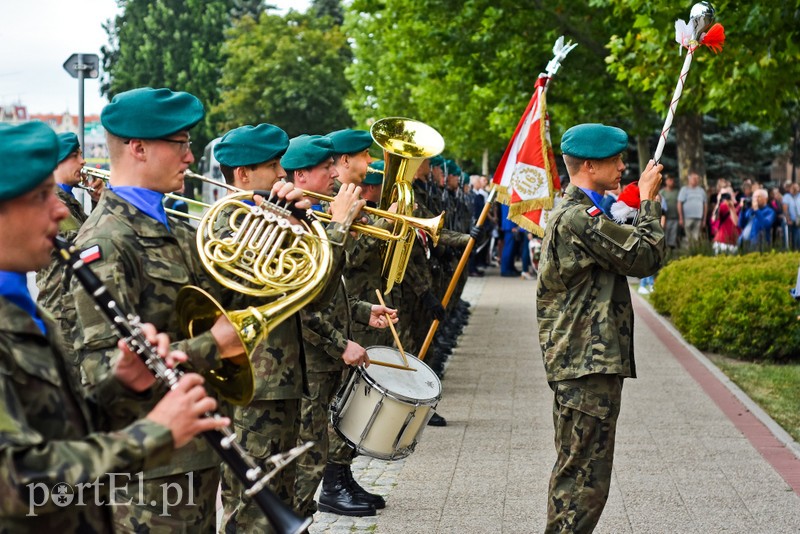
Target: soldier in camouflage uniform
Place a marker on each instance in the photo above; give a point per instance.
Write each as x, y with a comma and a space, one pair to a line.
145, 258
362, 276
329, 348
50, 434
586, 318
53, 280
250, 159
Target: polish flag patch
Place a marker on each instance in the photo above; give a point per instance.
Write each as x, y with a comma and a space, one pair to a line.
594, 211
91, 254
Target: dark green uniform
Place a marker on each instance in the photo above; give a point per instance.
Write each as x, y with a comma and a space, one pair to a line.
586, 334
144, 265
270, 424
52, 281
325, 334
48, 434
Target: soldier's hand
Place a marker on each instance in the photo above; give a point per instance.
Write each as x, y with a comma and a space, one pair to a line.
650, 181
183, 410
377, 316
430, 301
476, 233
227, 339
288, 192
99, 186
132, 372
354, 354
347, 204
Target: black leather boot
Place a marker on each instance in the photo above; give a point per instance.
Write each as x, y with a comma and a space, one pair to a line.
336, 496
437, 420
363, 495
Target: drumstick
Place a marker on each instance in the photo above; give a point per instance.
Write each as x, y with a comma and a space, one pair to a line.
394, 332
392, 365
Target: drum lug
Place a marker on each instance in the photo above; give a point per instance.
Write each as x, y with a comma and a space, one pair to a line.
403, 429
372, 417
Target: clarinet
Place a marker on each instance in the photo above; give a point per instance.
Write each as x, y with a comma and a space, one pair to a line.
223, 441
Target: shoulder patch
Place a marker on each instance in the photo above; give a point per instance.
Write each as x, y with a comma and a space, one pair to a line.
93, 253
594, 211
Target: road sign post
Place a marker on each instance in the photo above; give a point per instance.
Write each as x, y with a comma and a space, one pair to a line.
82, 66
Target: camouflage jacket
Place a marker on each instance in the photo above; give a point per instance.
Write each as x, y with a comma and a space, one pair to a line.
52, 281
277, 361
362, 275
47, 432
144, 266
583, 302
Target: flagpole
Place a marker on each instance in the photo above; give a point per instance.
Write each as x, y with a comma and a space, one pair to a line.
560, 51
457, 275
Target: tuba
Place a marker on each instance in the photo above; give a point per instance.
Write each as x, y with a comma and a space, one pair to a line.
406, 144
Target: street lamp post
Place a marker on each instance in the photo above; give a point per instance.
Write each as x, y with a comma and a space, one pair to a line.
82, 66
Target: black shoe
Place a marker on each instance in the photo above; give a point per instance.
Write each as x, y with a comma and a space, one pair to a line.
336, 496
476, 274
437, 420
363, 495
509, 274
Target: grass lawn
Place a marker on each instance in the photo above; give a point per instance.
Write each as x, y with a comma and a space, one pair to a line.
776, 388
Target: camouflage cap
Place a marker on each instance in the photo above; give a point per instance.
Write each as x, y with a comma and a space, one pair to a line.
147, 113
67, 144
350, 141
306, 151
374, 178
31, 150
594, 141
251, 145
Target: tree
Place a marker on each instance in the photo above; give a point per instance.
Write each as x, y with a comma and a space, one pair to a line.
168, 43
288, 71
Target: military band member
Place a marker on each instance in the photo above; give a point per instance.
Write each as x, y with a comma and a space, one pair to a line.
362, 276
371, 186
146, 257
586, 318
53, 280
50, 434
249, 158
329, 348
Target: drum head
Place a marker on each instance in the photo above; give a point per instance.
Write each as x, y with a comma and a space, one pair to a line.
420, 385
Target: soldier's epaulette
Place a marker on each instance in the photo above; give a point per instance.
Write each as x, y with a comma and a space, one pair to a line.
594, 211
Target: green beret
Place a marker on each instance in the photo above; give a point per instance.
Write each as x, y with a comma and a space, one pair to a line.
594, 141
464, 178
374, 178
437, 161
147, 113
28, 155
452, 168
306, 151
67, 144
251, 145
350, 141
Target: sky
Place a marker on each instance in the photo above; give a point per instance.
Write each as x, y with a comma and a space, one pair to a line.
37, 37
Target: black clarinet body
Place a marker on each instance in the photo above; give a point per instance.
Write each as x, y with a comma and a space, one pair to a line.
222, 441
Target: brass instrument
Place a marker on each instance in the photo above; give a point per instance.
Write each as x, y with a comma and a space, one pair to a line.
258, 252
432, 226
406, 144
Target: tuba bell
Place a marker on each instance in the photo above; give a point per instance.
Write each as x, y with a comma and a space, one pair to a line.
406, 144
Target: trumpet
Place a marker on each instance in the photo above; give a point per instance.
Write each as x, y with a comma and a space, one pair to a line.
432, 226
91, 172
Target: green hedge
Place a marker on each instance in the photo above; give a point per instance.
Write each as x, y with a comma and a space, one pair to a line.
734, 305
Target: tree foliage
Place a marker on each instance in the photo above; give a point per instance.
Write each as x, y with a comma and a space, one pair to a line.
288, 71
468, 67
168, 43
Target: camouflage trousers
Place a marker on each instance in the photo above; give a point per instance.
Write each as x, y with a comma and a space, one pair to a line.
315, 426
585, 413
151, 509
265, 427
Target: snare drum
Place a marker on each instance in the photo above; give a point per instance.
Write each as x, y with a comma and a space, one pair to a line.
382, 411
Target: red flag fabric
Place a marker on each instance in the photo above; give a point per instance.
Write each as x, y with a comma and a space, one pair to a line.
526, 177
